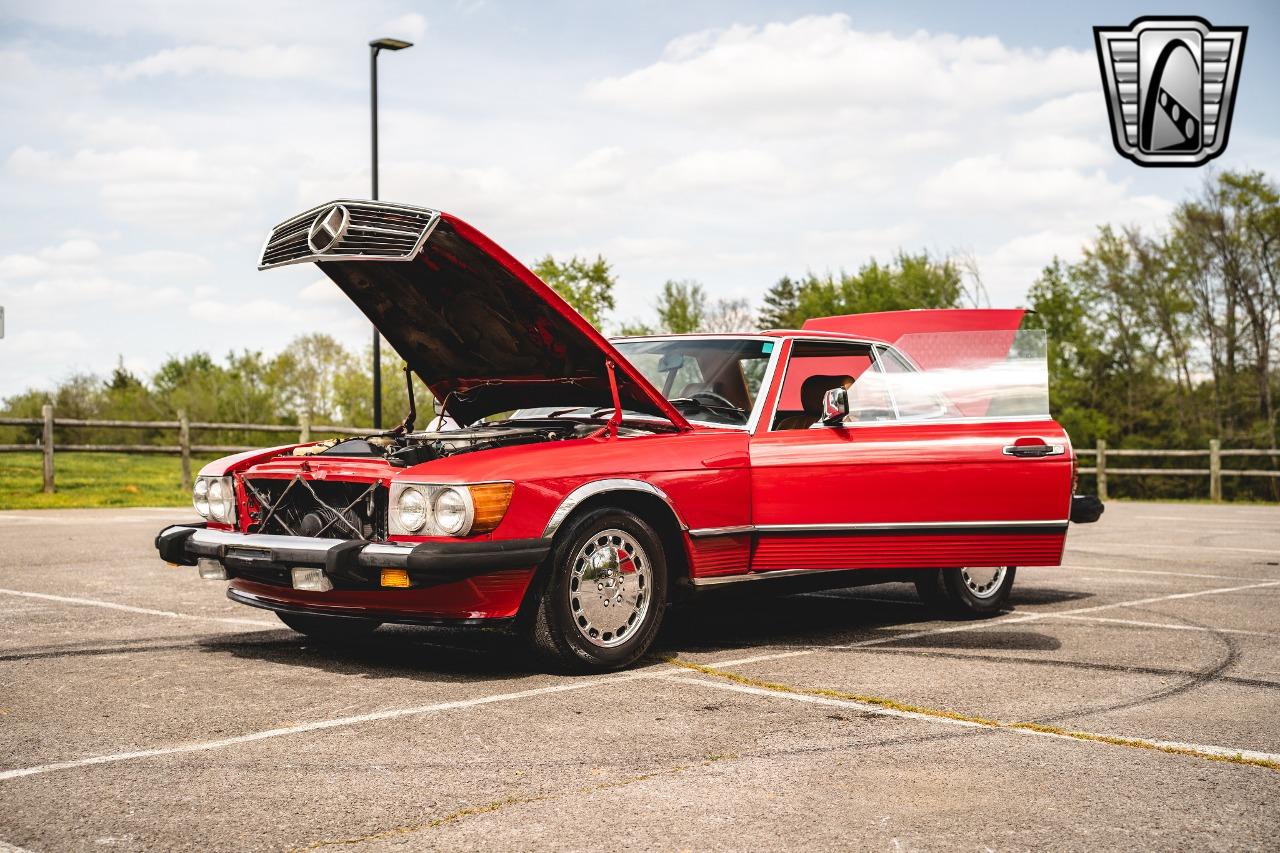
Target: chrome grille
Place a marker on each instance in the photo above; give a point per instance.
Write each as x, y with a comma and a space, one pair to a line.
361, 230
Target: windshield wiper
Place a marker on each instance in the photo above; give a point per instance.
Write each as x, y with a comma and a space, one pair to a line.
710, 407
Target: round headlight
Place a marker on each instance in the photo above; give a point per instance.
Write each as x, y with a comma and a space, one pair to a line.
411, 510
200, 497
450, 510
220, 500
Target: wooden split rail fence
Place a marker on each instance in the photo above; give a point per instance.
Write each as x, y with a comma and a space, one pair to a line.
184, 448
1215, 472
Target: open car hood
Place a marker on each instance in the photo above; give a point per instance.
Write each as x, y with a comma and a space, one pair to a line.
930, 335
481, 330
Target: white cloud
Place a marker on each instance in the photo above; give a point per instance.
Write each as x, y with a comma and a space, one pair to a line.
732, 168
258, 62
734, 156
411, 26
803, 69
322, 290
46, 341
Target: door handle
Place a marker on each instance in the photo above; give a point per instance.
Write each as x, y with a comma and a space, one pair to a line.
1034, 451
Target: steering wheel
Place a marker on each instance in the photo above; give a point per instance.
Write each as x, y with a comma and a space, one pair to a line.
716, 399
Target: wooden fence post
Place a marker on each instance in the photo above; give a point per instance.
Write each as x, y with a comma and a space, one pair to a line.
184, 444
1215, 469
1102, 469
46, 446
304, 428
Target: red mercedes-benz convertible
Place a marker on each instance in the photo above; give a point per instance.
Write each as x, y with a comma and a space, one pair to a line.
573, 486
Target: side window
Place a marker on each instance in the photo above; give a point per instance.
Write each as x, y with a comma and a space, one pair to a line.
912, 397
816, 367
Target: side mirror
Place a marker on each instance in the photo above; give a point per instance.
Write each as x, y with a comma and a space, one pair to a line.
835, 405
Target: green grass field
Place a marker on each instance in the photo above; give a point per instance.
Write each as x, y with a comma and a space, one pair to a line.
95, 480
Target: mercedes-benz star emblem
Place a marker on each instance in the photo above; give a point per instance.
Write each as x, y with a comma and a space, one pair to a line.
328, 229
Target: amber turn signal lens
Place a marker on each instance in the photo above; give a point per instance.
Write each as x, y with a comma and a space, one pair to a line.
491, 501
398, 578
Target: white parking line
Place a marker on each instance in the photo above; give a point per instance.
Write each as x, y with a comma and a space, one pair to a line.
111, 605
5, 847
1075, 567
1166, 626
1216, 522
321, 725
21, 521
985, 624
1144, 548
866, 707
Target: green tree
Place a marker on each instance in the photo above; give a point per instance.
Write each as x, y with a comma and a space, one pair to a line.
910, 281
585, 284
682, 306
309, 370
781, 308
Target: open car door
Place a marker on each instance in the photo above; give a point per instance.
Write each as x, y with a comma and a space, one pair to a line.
958, 466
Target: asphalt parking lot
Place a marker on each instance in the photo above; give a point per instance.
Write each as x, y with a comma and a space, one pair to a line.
1129, 699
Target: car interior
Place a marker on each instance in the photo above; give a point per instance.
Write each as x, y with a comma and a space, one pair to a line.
816, 367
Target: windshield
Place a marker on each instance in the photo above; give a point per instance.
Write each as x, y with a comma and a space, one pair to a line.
713, 380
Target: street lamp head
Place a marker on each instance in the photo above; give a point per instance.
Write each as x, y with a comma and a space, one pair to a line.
390, 44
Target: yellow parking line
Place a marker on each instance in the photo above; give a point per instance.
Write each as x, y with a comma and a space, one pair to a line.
895, 708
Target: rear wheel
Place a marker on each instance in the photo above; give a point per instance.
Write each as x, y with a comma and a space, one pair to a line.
969, 592
329, 627
605, 594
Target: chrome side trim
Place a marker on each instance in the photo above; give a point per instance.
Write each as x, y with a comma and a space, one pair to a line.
722, 531
905, 525
722, 580
596, 487
886, 526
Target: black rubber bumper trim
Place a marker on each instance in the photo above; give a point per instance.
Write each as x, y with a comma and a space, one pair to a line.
172, 543
381, 616
1086, 509
461, 559
343, 560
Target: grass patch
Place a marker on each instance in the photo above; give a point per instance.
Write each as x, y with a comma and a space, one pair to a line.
95, 480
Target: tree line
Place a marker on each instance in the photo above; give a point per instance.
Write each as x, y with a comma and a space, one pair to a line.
1161, 338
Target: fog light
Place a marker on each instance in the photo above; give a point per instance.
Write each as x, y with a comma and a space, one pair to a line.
395, 577
210, 569
314, 580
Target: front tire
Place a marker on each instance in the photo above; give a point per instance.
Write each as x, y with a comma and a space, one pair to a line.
605, 593
329, 628
967, 593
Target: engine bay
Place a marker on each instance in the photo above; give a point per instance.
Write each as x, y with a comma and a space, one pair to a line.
414, 448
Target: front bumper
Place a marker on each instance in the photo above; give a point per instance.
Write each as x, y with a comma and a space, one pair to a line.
349, 564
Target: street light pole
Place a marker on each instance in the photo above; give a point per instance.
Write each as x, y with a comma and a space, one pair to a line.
376, 47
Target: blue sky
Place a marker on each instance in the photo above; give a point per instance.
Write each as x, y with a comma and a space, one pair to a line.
145, 148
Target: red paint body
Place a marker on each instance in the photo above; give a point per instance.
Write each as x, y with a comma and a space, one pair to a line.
744, 500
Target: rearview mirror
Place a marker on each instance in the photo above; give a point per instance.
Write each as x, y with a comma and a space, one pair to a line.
671, 361
835, 406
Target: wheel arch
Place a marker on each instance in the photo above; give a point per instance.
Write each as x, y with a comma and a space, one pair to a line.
647, 501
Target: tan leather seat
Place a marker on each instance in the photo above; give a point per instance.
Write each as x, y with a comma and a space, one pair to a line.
811, 393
